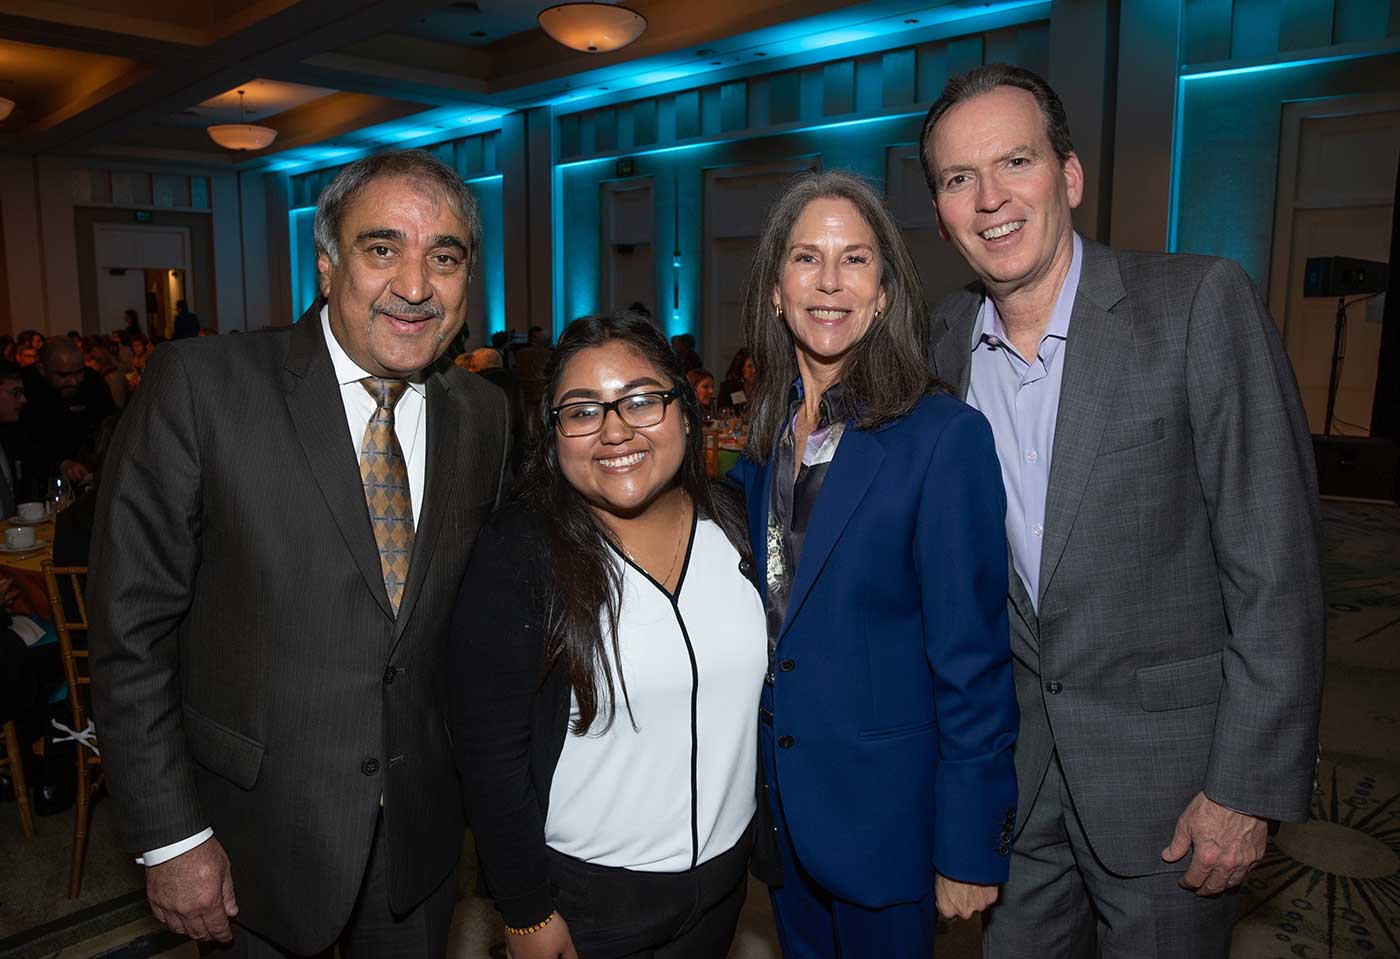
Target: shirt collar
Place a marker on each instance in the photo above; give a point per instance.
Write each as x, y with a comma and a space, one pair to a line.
989, 323
346, 369
833, 403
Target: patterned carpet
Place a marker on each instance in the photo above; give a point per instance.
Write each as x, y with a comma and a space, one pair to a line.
1329, 889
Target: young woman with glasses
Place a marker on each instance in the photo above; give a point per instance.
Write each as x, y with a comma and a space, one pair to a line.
607, 653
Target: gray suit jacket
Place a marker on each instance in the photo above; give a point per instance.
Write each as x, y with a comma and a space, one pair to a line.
249, 673
1179, 645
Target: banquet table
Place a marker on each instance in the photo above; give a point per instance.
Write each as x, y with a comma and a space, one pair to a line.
26, 570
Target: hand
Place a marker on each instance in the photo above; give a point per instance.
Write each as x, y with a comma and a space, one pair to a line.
961, 899
73, 471
551, 942
1226, 845
193, 893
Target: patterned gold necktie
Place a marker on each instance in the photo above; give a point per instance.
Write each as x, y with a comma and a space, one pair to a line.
384, 473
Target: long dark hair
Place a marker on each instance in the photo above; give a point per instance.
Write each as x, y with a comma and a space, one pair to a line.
886, 373
585, 579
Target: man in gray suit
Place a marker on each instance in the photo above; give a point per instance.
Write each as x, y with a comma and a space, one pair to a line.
1166, 603
283, 524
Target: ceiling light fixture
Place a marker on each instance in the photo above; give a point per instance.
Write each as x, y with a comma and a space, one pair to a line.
241, 136
6, 105
592, 27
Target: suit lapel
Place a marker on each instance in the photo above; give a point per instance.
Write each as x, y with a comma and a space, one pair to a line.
444, 435
1099, 340
858, 459
952, 352
318, 414
952, 363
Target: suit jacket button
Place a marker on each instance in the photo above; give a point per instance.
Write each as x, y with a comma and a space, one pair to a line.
1053, 688
745, 567
786, 742
787, 665
1003, 849
370, 766
389, 675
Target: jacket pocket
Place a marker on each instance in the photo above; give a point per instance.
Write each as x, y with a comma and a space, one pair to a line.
1178, 685
222, 751
894, 732
1131, 434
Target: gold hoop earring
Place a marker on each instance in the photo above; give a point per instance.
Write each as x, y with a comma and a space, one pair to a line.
879, 314
779, 308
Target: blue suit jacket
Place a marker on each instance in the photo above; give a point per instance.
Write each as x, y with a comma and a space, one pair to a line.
899, 697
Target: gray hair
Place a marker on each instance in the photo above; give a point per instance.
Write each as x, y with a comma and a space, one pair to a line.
885, 374
420, 166
985, 79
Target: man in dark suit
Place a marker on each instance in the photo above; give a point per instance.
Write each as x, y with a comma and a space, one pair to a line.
283, 523
1166, 597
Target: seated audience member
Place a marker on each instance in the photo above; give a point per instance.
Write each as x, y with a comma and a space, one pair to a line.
60, 425
684, 346
704, 383
605, 660
133, 323
486, 363
12, 401
529, 365
97, 358
7, 348
26, 354
736, 392
31, 671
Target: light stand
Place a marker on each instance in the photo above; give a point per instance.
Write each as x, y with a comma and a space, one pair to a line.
1338, 355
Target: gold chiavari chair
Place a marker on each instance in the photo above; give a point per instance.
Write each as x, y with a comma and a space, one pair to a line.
65, 586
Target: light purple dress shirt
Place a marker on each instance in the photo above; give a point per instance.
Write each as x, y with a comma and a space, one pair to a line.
1021, 400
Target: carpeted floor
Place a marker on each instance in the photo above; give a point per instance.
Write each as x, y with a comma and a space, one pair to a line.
1330, 888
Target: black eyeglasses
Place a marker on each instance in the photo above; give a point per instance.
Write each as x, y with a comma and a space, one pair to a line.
638, 411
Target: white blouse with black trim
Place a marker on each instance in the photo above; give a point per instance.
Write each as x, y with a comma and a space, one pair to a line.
672, 785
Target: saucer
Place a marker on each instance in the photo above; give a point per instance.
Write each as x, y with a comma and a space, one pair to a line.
16, 521
13, 550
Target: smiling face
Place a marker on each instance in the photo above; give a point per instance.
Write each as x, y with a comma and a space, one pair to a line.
1003, 197
829, 287
619, 470
399, 293
705, 390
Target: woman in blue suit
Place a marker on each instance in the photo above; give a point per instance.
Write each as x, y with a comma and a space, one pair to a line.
876, 511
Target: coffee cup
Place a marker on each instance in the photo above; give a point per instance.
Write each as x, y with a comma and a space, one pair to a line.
32, 512
19, 537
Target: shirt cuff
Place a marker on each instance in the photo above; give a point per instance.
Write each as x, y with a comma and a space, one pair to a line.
166, 853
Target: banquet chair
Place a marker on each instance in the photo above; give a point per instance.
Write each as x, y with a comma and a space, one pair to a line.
65, 585
14, 759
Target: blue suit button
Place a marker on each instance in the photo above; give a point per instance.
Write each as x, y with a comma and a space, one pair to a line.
786, 742
787, 665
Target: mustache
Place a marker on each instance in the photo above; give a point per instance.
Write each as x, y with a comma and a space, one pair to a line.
401, 308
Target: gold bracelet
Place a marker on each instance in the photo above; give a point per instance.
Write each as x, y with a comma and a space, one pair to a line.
529, 929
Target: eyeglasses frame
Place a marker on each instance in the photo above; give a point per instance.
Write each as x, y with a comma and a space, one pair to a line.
612, 406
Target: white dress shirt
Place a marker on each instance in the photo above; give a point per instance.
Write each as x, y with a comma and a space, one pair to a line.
409, 417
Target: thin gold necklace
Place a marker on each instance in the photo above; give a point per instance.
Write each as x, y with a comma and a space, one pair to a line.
675, 558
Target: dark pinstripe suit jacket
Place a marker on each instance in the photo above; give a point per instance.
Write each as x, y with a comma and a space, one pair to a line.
1179, 641
248, 671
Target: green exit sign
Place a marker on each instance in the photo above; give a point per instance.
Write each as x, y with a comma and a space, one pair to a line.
143, 216
624, 167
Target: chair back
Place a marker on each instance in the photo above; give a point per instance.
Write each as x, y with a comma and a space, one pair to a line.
70, 619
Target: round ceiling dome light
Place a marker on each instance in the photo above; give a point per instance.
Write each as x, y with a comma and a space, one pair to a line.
241, 136
6, 105
592, 27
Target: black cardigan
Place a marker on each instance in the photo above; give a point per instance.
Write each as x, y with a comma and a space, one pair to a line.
508, 716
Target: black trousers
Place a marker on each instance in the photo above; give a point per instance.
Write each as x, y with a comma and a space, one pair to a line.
374, 931
622, 914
